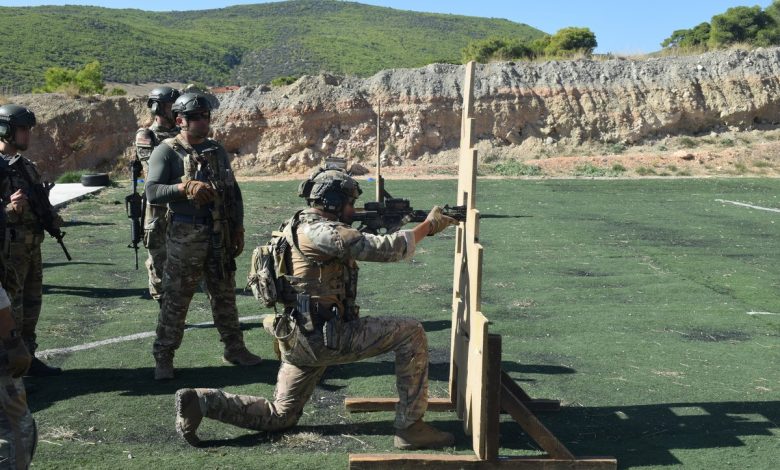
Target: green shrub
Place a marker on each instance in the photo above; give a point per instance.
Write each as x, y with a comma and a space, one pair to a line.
618, 168
284, 81
71, 176
515, 168
617, 148
88, 80
116, 91
688, 143
645, 171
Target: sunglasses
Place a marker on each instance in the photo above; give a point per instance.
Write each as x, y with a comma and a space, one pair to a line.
198, 116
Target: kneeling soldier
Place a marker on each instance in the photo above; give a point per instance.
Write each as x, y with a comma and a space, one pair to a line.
323, 324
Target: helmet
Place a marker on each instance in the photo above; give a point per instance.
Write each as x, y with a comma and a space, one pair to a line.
330, 188
11, 116
190, 103
159, 95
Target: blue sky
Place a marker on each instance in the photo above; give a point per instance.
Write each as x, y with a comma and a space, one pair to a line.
626, 26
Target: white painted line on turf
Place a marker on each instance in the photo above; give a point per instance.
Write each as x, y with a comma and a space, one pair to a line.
770, 209
762, 313
120, 339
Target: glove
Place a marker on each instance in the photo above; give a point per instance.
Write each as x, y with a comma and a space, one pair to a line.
439, 221
19, 358
18, 202
200, 192
238, 242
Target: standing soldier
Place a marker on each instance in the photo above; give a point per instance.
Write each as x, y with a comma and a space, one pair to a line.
321, 253
191, 174
160, 102
24, 280
17, 427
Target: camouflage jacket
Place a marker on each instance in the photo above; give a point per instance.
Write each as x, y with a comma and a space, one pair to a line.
147, 138
11, 181
325, 254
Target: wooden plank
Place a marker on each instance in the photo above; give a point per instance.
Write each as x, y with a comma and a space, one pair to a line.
532, 426
475, 421
449, 462
363, 405
493, 397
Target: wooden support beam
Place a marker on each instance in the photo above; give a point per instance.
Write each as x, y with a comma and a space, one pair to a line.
532, 426
364, 405
493, 398
449, 462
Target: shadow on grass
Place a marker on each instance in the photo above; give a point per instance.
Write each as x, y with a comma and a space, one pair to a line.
96, 292
48, 264
646, 435
139, 381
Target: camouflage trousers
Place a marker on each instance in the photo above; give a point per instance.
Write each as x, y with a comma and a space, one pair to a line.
155, 228
18, 435
24, 282
188, 264
304, 363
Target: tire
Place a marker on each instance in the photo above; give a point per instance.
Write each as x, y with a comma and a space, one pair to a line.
98, 179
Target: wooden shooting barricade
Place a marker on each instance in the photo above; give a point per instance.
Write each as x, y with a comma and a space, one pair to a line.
479, 389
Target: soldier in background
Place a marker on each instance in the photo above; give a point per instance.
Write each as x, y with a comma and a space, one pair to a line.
24, 280
18, 434
322, 250
191, 174
160, 102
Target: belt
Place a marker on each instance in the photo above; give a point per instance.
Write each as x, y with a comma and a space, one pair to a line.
191, 219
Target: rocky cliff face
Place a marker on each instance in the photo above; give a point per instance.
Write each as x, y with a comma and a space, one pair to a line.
520, 107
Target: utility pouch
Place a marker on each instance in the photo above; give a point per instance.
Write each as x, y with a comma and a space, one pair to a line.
330, 330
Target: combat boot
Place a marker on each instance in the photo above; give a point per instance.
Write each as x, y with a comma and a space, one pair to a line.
38, 368
241, 357
421, 435
188, 415
163, 369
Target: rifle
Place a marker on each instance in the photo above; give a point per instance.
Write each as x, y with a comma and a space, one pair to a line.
134, 205
391, 214
220, 215
38, 198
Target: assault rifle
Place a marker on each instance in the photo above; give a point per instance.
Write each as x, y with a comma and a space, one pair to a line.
134, 205
38, 198
220, 215
391, 214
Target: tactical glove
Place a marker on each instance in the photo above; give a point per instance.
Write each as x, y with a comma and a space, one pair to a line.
439, 221
199, 192
18, 357
238, 242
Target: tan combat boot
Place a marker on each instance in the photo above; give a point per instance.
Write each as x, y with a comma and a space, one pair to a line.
188, 415
421, 435
241, 357
163, 369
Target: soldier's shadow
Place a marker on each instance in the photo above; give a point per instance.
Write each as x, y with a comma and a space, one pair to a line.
139, 381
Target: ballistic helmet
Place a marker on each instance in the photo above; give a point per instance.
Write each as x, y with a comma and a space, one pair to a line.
13, 116
191, 103
160, 95
329, 188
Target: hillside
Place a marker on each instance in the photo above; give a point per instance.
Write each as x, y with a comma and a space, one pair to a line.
245, 44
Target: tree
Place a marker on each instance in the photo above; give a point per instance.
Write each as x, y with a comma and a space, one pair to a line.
88, 80
741, 24
491, 49
572, 40
689, 38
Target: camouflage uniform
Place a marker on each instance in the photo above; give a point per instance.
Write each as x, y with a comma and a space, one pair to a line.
18, 434
324, 267
24, 278
190, 256
156, 223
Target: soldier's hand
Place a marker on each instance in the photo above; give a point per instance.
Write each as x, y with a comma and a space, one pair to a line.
19, 358
200, 192
19, 202
238, 242
438, 220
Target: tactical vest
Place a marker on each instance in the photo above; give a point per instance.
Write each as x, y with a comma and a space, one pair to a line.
16, 181
147, 138
328, 280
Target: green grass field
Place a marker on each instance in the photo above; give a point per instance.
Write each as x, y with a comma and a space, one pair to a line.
628, 300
